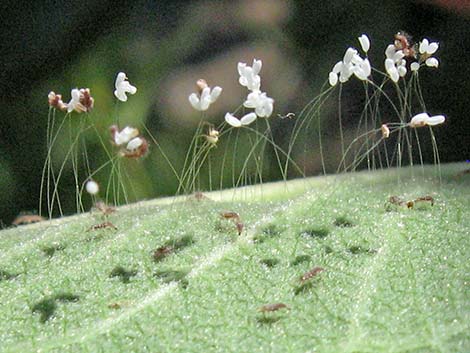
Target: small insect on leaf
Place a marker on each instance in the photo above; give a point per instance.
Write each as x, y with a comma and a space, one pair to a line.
272, 307
119, 305
102, 226
162, 252
235, 217
311, 274
395, 200
287, 116
27, 219
427, 199
230, 215
239, 227
421, 202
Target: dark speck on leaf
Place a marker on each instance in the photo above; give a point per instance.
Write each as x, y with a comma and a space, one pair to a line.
315, 233
4, 275
267, 320
123, 274
66, 297
50, 250
45, 308
343, 222
358, 250
270, 262
300, 259
168, 276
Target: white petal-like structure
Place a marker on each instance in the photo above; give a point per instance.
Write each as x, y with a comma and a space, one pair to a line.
194, 100
436, 120
423, 46
248, 119
402, 70
432, 62
414, 66
390, 51
392, 70
257, 64
122, 87
333, 78
125, 135
423, 119
348, 55
419, 120
338, 67
134, 144
365, 43
75, 101
215, 93
231, 120
432, 48
362, 70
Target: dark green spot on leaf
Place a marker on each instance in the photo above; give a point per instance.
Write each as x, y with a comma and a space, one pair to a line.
123, 274
270, 262
49, 250
300, 259
343, 222
315, 233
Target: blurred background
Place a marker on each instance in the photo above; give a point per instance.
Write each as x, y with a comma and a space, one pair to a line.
165, 46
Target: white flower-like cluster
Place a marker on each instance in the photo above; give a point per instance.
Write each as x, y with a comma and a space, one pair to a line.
74, 103
136, 146
125, 135
261, 103
122, 87
352, 64
206, 96
257, 100
249, 76
81, 101
395, 64
423, 119
426, 50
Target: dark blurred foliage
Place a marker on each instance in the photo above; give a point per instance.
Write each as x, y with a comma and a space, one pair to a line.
164, 46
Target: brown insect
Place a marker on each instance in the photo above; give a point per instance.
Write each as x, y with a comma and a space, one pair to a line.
104, 208
272, 307
403, 42
102, 226
27, 219
119, 305
310, 274
395, 200
162, 252
425, 199
239, 227
230, 215
235, 217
